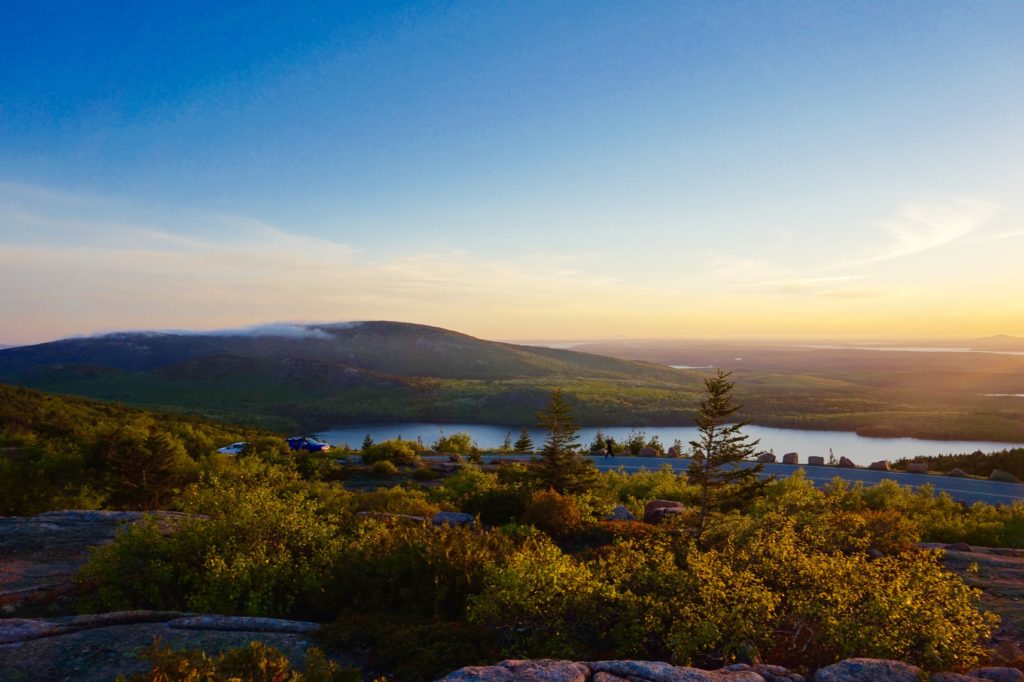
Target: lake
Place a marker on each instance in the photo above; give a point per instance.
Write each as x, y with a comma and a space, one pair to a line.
860, 449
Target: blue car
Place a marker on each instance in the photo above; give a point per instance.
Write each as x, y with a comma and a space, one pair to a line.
307, 443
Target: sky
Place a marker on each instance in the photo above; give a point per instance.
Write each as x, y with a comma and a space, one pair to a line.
514, 170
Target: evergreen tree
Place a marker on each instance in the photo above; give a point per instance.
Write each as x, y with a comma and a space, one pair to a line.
506, 445
719, 449
367, 443
561, 467
525, 443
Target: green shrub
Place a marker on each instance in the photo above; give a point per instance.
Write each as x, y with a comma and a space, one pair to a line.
399, 452
396, 500
384, 469
457, 443
254, 662
554, 513
414, 568
258, 553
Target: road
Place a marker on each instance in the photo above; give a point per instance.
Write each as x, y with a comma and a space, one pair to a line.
967, 490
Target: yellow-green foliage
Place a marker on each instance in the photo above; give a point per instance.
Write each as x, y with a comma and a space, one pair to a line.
254, 662
403, 567
554, 513
396, 500
771, 585
399, 452
259, 552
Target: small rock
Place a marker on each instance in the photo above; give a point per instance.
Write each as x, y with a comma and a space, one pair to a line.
846, 463
736, 667
997, 674
868, 670
791, 458
816, 461
881, 465
763, 669
620, 513
451, 518
959, 473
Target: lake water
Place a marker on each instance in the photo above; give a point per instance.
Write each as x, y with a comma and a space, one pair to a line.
860, 449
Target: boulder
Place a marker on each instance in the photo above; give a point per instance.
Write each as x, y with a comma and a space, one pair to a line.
816, 461
959, 547
959, 473
847, 463
648, 451
450, 518
766, 458
951, 677
791, 458
1002, 476
881, 465
868, 670
997, 674
656, 510
675, 452
620, 513
917, 468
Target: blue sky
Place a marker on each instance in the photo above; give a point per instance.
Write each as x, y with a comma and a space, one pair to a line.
514, 170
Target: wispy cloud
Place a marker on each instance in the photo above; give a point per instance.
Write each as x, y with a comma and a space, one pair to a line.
921, 226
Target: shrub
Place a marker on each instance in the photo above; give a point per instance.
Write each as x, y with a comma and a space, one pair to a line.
400, 452
457, 443
396, 500
259, 553
254, 662
414, 568
554, 513
384, 469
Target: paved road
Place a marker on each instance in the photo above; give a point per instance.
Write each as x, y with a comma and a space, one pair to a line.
963, 489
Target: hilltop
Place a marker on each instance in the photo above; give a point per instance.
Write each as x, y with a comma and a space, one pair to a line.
317, 375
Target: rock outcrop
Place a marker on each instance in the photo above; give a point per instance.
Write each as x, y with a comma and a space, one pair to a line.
850, 670
766, 458
847, 463
816, 461
40, 555
620, 513
98, 648
881, 465
917, 468
791, 458
648, 451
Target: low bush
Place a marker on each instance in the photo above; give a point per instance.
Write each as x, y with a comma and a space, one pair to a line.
255, 662
399, 452
384, 469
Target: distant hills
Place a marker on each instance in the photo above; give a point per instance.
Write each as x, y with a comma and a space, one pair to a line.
314, 376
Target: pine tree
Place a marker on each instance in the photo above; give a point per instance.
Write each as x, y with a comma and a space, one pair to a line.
506, 445
367, 443
525, 443
561, 467
720, 448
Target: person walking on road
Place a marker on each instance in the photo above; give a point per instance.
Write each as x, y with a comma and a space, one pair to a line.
608, 452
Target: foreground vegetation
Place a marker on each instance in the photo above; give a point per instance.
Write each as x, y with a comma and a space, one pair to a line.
797, 575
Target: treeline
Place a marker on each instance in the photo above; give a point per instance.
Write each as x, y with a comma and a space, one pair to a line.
977, 463
59, 452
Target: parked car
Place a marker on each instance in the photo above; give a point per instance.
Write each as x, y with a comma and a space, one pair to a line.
307, 443
233, 449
